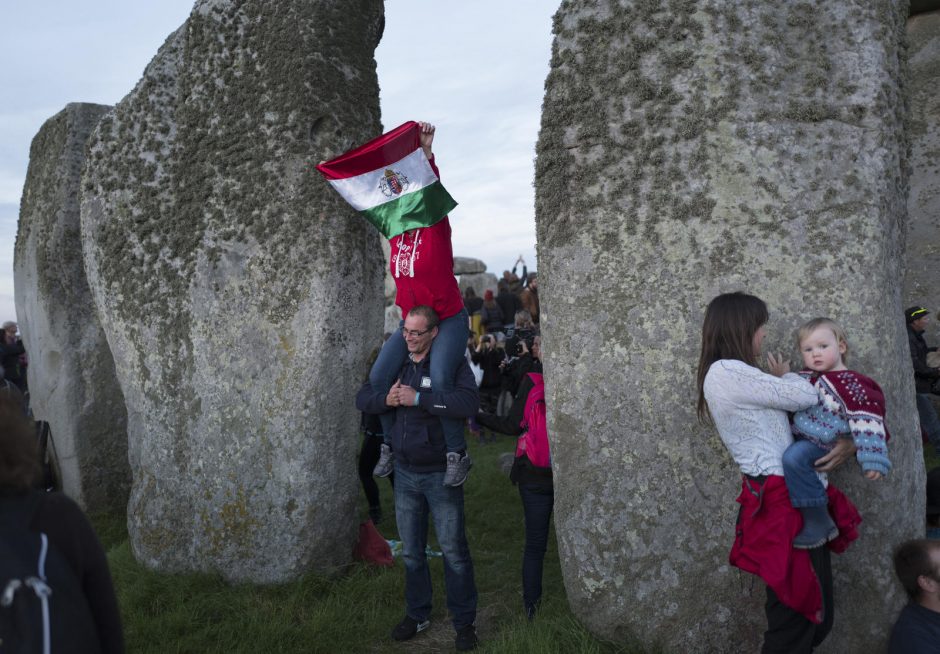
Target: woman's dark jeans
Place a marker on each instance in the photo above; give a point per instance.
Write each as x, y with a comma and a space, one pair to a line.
537, 508
788, 632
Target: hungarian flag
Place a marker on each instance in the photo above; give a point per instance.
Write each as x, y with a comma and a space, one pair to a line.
391, 182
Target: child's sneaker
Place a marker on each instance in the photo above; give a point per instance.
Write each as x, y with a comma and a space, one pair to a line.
458, 467
386, 462
818, 528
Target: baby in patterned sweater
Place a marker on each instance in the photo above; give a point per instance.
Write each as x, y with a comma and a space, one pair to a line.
850, 405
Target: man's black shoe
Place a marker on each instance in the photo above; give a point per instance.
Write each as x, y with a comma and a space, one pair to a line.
408, 627
466, 639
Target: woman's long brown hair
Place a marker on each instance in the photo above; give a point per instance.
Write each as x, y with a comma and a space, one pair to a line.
731, 321
19, 453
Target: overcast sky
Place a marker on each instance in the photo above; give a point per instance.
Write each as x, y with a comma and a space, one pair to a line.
476, 70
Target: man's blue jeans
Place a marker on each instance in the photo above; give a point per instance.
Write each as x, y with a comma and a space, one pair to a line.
447, 349
803, 484
418, 494
537, 509
929, 420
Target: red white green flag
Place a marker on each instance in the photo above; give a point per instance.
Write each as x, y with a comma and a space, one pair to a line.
390, 181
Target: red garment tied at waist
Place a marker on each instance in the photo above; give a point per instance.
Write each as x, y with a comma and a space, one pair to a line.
763, 543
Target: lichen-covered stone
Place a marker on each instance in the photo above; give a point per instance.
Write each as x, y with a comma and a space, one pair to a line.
239, 293
71, 372
922, 282
686, 149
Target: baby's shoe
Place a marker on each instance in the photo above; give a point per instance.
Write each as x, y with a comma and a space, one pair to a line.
818, 528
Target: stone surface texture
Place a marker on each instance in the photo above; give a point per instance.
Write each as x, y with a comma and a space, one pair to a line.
481, 282
922, 281
239, 293
392, 318
466, 265
72, 381
688, 149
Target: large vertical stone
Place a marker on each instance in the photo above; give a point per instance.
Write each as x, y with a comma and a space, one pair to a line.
71, 372
922, 282
239, 293
691, 148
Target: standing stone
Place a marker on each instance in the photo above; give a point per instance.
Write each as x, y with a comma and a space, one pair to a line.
393, 318
240, 294
481, 282
922, 282
466, 265
72, 382
688, 149
390, 288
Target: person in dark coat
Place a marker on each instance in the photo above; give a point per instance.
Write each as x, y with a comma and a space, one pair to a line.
917, 630
471, 302
422, 486
492, 314
13, 356
536, 489
925, 377
509, 304
70, 536
488, 356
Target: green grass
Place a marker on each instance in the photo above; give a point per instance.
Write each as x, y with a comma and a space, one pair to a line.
355, 610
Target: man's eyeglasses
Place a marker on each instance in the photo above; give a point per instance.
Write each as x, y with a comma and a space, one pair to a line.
413, 332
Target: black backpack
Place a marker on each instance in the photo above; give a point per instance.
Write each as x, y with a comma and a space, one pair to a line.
43, 609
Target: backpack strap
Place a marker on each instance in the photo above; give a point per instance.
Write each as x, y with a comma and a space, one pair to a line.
15, 515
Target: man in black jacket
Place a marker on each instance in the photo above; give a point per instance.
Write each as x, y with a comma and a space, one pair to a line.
924, 376
421, 465
917, 630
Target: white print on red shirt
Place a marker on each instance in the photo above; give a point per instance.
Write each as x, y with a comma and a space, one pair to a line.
404, 259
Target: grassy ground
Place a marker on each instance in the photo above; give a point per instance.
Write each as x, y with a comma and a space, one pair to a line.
354, 611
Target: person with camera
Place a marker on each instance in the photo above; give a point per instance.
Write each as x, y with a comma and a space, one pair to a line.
526, 360
488, 356
926, 378
531, 472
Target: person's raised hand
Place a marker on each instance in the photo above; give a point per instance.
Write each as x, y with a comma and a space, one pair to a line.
777, 365
426, 137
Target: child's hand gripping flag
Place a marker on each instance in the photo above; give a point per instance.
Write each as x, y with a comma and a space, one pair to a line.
391, 182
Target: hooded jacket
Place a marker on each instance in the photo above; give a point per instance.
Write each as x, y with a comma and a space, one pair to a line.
417, 437
422, 265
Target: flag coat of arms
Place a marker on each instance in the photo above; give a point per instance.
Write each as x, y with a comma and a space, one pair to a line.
390, 181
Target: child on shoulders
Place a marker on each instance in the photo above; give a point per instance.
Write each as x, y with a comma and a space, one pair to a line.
850, 405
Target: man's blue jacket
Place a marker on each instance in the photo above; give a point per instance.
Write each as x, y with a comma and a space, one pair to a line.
417, 437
